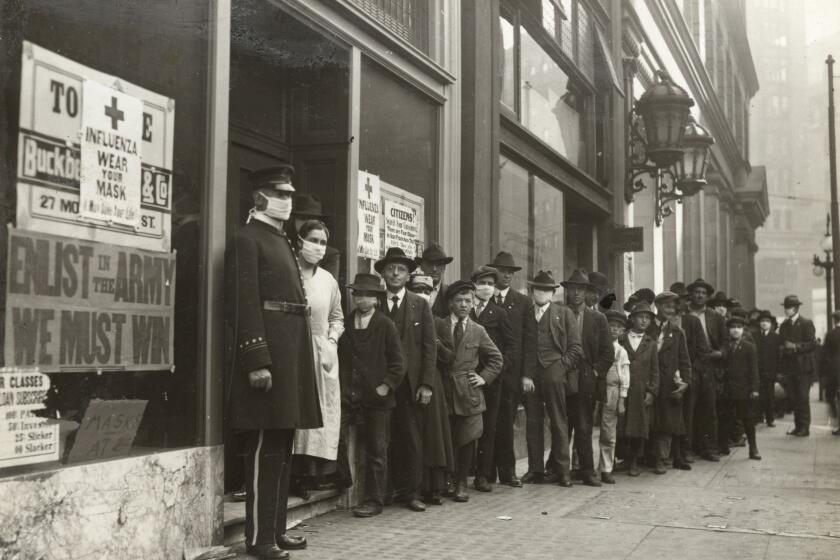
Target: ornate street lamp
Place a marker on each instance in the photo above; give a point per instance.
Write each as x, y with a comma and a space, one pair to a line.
826, 266
668, 145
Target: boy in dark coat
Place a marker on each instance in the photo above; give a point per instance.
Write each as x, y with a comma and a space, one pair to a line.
740, 384
372, 367
767, 344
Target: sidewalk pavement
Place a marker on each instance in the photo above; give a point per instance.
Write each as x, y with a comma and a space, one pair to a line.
785, 507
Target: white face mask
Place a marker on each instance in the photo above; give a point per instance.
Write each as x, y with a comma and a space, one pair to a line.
736, 332
541, 297
277, 208
484, 292
311, 252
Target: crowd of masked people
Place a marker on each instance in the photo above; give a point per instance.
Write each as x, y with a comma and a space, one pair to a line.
432, 375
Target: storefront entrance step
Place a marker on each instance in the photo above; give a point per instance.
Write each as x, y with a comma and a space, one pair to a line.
319, 502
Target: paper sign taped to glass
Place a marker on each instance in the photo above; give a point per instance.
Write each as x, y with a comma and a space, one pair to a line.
75, 305
94, 154
25, 437
402, 220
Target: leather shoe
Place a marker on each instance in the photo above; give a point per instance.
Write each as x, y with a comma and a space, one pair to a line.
659, 468
682, 466
509, 477
433, 499
533, 478
754, 455
741, 442
367, 510
803, 433
576, 474
589, 479
266, 552
688, 457
415, 505
793, 432
564, 482
461, 495
634, 470
287, 542
771, 424
607, 478
836, 432
723, 451
710, 457
480, 483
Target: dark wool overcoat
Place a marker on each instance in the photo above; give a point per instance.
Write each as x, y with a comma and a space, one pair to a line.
644, 379
673, 357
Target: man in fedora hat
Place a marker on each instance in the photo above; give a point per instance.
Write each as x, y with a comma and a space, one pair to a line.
594, 363
767, 344
798, 342
550, 374
831, 367
518, 308
599, 296
706, 377
494, 319
415, 323
433, 263
273, 385
307, 207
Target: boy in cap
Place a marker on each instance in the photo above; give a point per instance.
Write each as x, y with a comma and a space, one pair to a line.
472, 362
613, 405
767, 344
372, 367
740, 385
421, 284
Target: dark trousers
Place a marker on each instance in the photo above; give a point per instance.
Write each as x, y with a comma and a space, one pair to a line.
798, 388
733, 411
406, 455
377, 438
504, 452
267, 470
486, 464
548, 400
581, 410
767, 396
705, 412
687, 439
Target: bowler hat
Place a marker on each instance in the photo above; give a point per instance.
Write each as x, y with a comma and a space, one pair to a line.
307, 206
641, 307
366, 282
394, 255
765, 314
434, 254
484, 271
457, 287
738, 312
679, 289
420, 279
600, 282
700, 283
791, 301
505, 260
544, 280
278, 177
616, 315
736, 320
665, 296
720, 300
578, 279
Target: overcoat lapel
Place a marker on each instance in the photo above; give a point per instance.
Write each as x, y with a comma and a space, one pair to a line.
668, 336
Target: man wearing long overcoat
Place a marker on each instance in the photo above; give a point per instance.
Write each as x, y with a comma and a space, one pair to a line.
273, 388
798, 342
767, 344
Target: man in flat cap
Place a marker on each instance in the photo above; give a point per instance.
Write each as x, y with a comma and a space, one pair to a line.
273, 384
433, 263
798, 339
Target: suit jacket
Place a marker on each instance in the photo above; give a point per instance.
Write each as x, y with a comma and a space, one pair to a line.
417, 334
715, 329
495, 321
831, 354
564, 333
698, 346
768, 347
439, 307
740, 364
475, 352
520, 313
597, 354
799, 361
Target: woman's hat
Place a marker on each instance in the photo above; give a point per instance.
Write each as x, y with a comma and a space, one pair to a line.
544, 280
483, 272
765, 314
720, 300
736, 320
458, 286
366, 282
505, 260
434, 254
578, 279
394, 255
644, 294
641, 307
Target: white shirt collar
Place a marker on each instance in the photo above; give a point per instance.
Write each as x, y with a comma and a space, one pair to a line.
400, 295
504, 292
794, 318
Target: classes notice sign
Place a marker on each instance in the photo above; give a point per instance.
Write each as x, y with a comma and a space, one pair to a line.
24, 437
76, 305
94, 154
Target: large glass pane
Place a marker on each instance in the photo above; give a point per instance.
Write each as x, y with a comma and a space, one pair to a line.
550, 105
513, 216
586, 43
548, 228
508, 64
137, 43
408, 19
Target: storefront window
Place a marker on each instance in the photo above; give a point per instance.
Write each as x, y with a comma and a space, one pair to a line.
509, 69
548, 228
514, 212
99, 361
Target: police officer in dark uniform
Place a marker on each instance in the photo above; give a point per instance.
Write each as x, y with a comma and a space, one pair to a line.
272, 386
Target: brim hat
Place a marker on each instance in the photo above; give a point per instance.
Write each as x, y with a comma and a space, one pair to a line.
504, 259
679, 289
608, 300
420, 279
579, 279
544, 280
394, 255
278, 178
791, 301
641, 307
665, 296
483, 272
307, 206
630, 303
600, 282
434, 253
366, 282
645, 294
736, 320
700, 283
720, 299
458, 286
765, 315
738, 312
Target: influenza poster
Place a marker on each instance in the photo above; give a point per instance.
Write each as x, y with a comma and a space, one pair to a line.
74, 305
61, 98
367, 245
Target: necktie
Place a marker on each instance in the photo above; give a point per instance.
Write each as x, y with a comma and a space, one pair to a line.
539, 314
395, 306
500, 300
479, 309
459, 332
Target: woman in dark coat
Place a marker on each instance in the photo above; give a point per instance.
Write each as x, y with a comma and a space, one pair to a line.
644, 382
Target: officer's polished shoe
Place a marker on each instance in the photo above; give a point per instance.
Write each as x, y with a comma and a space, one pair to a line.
287, 542
589, 479
267, 552
607, 478
533, 478
449, 491
480, 483
461, 494
740, 442
367, 510
415, 505
723, 451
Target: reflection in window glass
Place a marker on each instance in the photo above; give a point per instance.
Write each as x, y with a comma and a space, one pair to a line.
508, 68
548, 228
550, 107
513, 216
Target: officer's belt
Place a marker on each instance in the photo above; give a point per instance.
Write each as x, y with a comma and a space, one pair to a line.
286, 307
